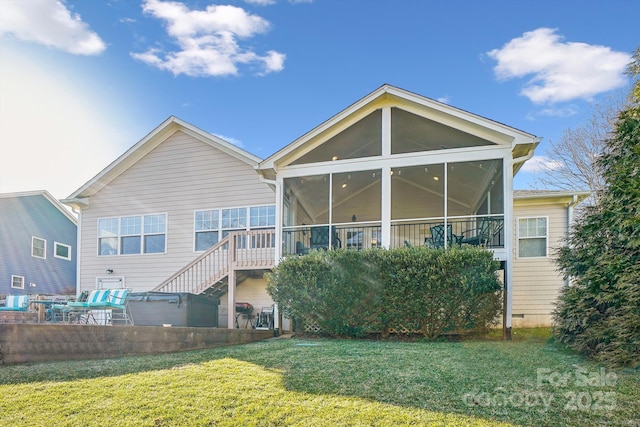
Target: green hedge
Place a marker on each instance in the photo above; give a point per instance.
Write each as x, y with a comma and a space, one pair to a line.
358, 293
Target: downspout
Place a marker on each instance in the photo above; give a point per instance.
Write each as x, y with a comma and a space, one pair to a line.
278, 243
570, 206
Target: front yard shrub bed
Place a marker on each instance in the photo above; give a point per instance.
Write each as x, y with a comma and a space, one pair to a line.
359, 293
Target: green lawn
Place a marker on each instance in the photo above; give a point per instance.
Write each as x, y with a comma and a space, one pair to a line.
529, 381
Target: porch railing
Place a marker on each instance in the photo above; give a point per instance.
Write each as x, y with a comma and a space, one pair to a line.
301, 239
478, 230
238, 250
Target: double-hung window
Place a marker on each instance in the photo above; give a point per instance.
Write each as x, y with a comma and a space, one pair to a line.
38, 247
207, 224
131, 235
17, 282
532, 237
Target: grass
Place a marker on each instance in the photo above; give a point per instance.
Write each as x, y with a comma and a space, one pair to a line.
530, 381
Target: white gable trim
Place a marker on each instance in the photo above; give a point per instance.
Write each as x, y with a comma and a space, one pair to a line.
443, 113
44, 193
145, 146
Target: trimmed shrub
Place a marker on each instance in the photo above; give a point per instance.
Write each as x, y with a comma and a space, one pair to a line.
357, 293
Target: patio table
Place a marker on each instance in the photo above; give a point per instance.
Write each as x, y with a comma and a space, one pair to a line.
45, 309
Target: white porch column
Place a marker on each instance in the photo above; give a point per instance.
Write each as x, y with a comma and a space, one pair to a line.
385, 215
231, 288
231, 300
508, 234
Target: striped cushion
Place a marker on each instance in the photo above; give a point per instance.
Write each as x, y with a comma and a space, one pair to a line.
98, 296
16, 302
118, 296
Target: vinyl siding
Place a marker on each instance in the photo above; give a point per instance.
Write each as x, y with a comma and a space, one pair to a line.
180, 176
536, 281
253, 291
22, 218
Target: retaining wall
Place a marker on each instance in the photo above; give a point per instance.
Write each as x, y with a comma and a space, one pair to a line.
21, 343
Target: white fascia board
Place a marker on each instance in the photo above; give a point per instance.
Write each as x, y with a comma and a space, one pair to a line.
397, 161
44, 193
443, 113
147, 144
269, 162
219, 143
550, 196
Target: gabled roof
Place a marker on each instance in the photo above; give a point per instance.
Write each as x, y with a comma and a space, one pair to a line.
46, 195
145, 146
580, 195
522, 143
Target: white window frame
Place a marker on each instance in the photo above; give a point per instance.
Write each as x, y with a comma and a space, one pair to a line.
223, 231
55, 251
519, 237
269, 215
21, 280
142, 235
44, 249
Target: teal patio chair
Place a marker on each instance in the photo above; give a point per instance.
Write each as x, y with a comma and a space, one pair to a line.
320, 238
16, 303
480, 236
82, 310
437, 237
117, 306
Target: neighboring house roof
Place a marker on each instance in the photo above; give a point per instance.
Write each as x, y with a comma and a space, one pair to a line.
145, 146
63, 209
549, 194
522, 143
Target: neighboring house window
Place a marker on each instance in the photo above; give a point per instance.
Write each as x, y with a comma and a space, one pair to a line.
532, 237
17, 282
38, 247
60, 250
207, 224
131, 235
262, 216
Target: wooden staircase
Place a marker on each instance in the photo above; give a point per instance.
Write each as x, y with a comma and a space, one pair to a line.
209, 272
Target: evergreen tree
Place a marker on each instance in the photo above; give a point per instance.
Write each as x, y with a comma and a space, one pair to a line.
599, 315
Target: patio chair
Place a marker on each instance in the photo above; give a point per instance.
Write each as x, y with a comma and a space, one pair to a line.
82, 310
116, 306
480, 236
301, 249
437, 237
57, 310
320, 238
16, 303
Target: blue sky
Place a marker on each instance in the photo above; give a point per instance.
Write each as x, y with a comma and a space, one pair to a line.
82, 81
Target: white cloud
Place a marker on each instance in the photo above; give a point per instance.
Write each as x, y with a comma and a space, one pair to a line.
561, 71
208, 40
565, 111
541, 164
261, 2
50, 23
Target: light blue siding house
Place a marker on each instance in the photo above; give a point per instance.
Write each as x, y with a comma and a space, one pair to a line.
38, 238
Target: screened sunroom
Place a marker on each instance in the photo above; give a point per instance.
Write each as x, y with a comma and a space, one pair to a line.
397, 169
